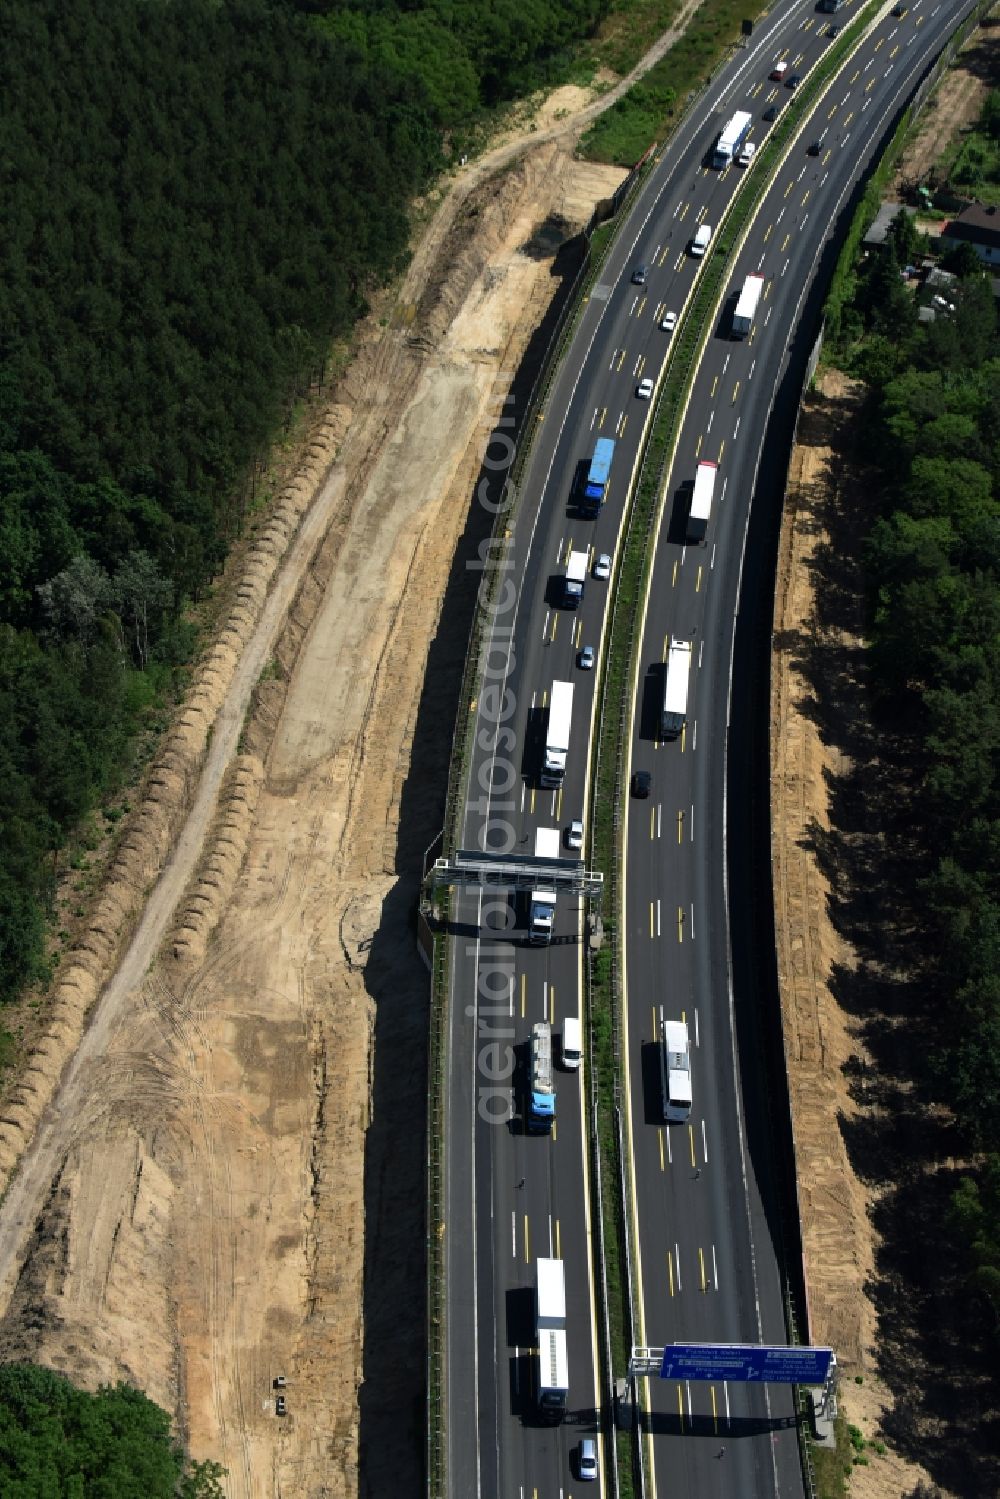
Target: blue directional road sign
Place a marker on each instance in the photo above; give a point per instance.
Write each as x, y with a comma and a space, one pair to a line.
767, 1363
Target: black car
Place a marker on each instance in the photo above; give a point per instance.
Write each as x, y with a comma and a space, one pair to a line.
770, 114
793, 81
639, 276
832, 31
641, 783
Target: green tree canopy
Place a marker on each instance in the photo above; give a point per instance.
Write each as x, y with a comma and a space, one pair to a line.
56, 1440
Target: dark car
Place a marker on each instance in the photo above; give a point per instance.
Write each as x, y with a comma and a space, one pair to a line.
794, 81
817, 145
833, 31
642, 782
639, 276
770, 113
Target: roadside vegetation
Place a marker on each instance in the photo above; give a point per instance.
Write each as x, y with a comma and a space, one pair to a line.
930, 437
651, 107
972, 165
57, 1442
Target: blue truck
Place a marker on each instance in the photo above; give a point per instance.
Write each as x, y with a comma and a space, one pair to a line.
596, 482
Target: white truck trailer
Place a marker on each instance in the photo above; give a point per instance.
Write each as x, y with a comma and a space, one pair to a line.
557, 734
746, 306
576, 576
675, 1070
730, 142
542, 900
550, 1327
675, 689
541, 1082
701, 500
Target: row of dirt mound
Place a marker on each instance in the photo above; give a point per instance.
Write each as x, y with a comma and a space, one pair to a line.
151, 831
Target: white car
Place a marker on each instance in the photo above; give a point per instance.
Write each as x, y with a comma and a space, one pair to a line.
644, 389
586, 1463
602, 567
747, 155
669, 322
585, 659
574, 835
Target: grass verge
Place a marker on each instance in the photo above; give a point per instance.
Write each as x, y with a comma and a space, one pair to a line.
652, 106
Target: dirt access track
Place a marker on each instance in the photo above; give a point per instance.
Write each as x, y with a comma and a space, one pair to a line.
208, 1182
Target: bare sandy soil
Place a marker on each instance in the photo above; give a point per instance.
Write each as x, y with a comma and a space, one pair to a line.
957, 101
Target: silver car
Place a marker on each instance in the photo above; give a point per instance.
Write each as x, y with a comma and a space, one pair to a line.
602, 567
586, 1465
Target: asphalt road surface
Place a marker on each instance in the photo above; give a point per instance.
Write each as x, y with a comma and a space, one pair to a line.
706, 1207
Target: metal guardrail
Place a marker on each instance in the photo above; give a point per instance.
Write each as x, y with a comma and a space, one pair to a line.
436, 1448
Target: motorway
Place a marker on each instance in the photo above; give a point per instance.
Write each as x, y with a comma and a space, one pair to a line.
705, 1204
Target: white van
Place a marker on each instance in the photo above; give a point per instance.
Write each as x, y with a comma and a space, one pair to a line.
572, 1043
702, 240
